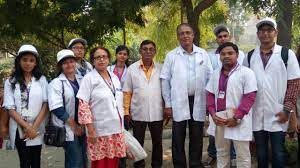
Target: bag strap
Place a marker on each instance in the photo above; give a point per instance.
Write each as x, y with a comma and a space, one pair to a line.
285, 55
250, 53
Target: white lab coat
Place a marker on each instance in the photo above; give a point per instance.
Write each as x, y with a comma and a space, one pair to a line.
123, 78
55, 100
37, 96
106, 116
146, 102
272, 85
216, 62
175, 70
241, 81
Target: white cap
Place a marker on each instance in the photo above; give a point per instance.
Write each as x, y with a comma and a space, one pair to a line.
28, 48
268, 21
65, 53
76, 40
220, 28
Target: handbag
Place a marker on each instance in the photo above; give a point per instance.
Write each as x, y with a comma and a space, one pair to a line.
4, 120
55, 135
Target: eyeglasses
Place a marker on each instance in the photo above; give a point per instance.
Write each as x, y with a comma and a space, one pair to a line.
145, 49
188, 33
101, 57
78, 48
269, 30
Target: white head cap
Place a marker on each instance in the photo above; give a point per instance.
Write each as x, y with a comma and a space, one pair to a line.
267, 21
65, 53
76, 40
27, 48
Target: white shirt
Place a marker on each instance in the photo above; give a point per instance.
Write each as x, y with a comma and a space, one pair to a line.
106, 109
174, 73
216, 62
37, 96
56, 100
146, 101
272, 84
241, 81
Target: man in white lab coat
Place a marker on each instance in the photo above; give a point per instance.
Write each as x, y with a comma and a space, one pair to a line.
278, 79
231, 93
184, 75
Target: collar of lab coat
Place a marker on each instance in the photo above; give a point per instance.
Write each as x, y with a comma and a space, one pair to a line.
181, 51
276, 50
63, 77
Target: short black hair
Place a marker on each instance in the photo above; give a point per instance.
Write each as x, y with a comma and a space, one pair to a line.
92, 53
146, 42
184, 24
121, 48
228, 44
221, 30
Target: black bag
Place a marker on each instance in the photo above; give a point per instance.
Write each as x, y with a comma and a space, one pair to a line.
55, 135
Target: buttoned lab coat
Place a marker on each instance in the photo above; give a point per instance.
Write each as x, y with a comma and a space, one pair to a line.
216, 62
106, 116
146, 101
37, 96
55, 100
175, 70
241, 81
111, 70
272, 85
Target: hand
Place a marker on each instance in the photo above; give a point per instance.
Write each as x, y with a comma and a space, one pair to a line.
127, 118
168, 114
293, 123
282, 117
218, 121
231, 122
92, 136
30, 132
78, 131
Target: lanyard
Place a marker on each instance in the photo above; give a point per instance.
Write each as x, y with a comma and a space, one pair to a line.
112, 88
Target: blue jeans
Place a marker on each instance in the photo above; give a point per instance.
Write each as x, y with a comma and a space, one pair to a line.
212, 151
277, 146
75, 153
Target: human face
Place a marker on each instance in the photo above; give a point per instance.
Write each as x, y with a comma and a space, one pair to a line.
223, 37
266, 34
122, 56
147, 52
79, 50
28, 62
68, 66
185, 35
228, 56
101, 60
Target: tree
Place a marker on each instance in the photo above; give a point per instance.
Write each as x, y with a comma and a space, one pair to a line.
193, 14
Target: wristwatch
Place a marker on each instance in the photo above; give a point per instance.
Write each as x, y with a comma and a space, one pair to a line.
237, 120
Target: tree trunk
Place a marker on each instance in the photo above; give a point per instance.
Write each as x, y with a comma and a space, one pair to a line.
284, 21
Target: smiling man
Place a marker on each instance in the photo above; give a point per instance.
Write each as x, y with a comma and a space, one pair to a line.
277, 73
184, 75
232, 89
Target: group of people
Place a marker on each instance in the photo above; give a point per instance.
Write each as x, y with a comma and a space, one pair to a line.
245, 96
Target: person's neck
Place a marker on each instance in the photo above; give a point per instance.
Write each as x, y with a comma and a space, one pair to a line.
70, 76
188, 48
27, 77
120, 65
228, 68
267, 46
104, 73
79, 60
147, 64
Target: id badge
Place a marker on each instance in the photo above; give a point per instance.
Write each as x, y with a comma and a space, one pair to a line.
221, 95
27, 113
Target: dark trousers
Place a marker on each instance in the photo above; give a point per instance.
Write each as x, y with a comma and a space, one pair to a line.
277, 145
156, 128
29, 156
298, 149
195, 141
75, 152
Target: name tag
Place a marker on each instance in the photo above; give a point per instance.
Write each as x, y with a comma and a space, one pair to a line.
221, 95
27, 113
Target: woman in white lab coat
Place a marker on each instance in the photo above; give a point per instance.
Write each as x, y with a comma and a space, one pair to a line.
64, 105
25, 97
101, 111
119, 67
